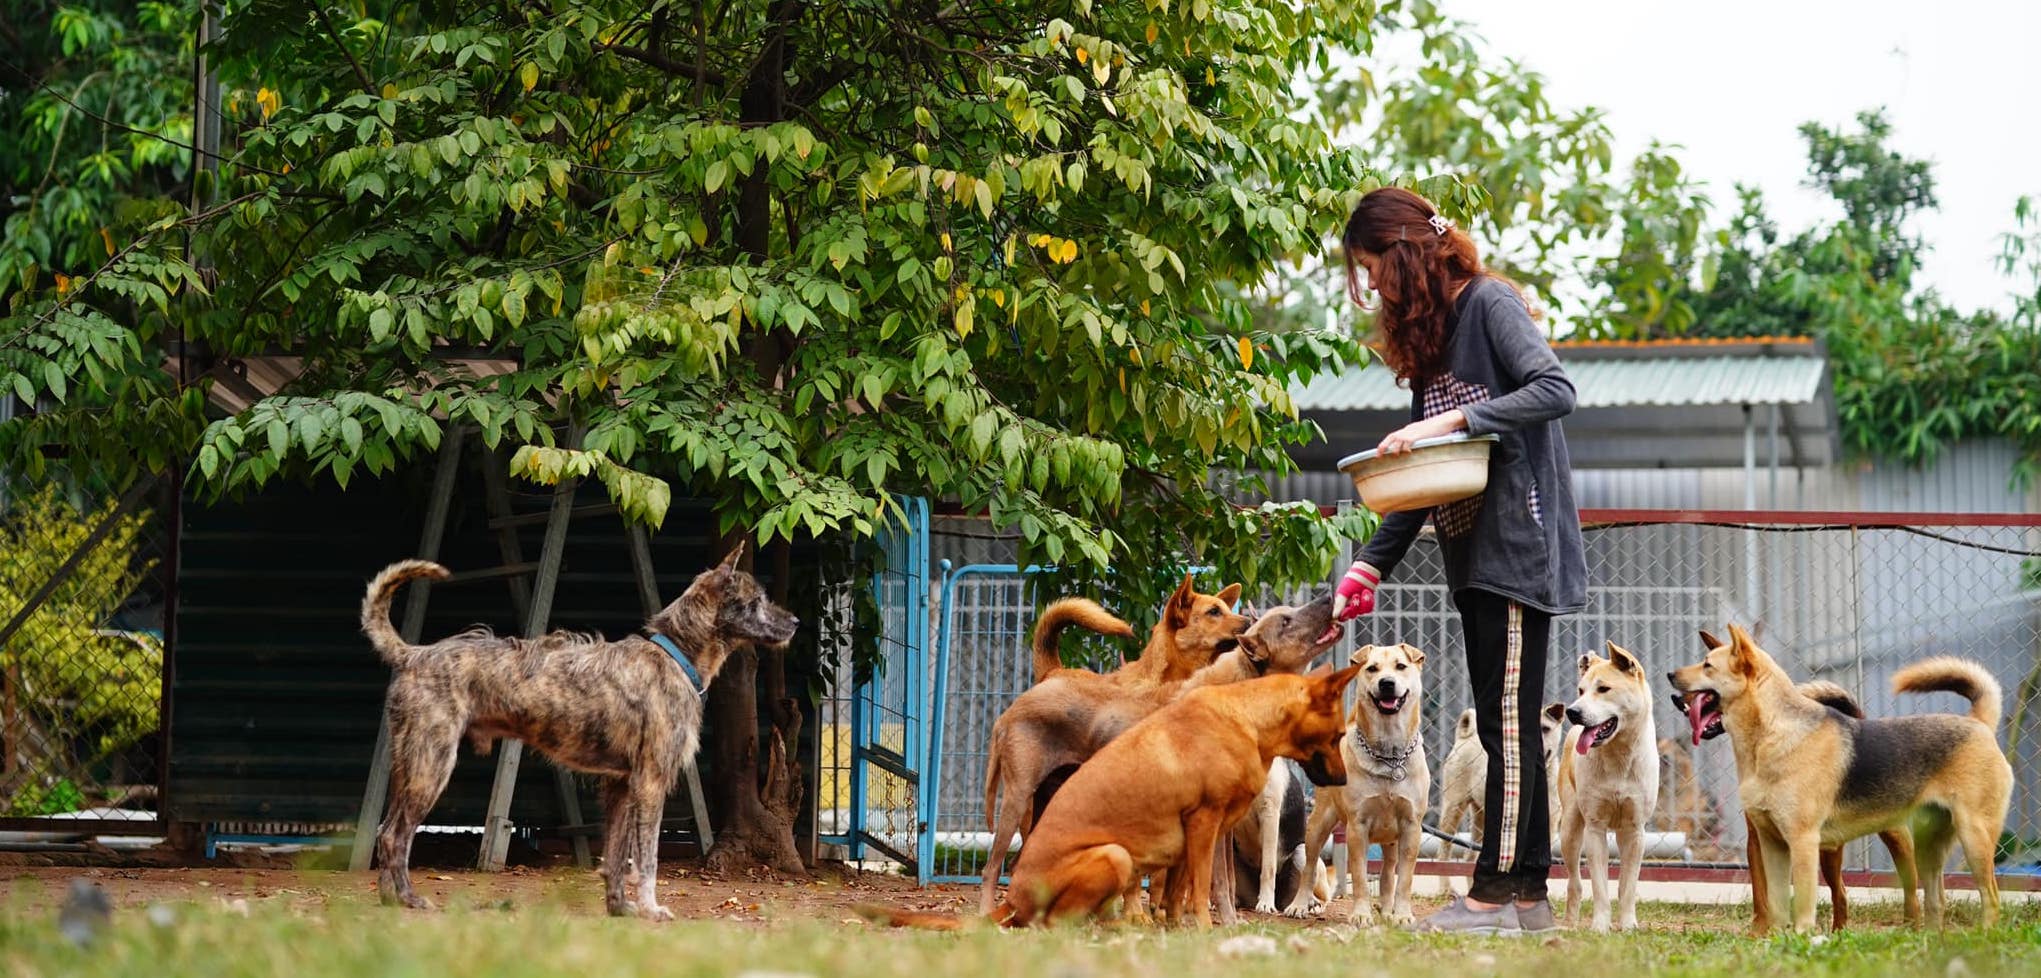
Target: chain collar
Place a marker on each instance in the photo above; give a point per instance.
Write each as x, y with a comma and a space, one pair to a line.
1395, 760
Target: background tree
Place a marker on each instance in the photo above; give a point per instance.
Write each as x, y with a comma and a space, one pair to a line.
792, 257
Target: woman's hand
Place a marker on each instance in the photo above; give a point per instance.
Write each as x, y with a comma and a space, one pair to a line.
1399, 441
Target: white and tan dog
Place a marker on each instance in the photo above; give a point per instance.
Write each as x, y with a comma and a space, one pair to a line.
1388, 787
1608, 782
1463, 779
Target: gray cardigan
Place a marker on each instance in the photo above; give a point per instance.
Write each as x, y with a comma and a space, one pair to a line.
1521, 537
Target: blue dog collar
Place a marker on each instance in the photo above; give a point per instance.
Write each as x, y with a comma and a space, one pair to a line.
686, 665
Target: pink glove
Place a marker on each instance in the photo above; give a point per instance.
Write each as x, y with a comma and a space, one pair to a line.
1355, 595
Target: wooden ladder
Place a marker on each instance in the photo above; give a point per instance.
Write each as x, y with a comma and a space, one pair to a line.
533, 601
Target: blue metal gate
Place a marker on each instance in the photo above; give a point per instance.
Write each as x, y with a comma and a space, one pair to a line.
889, 708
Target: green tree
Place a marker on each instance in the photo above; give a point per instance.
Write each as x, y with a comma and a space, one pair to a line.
790, 256
1912, 373
72, 694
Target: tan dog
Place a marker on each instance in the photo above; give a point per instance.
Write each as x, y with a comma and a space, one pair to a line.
1389, 783
1608, 782
1160, 794
1898, 839
1192, 630
1061, 722
1810, 776
1463, 779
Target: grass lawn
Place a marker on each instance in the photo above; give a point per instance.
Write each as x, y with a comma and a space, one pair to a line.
215, 938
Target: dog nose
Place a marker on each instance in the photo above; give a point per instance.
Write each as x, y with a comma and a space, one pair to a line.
1387, 687
1673, 679
1574, 715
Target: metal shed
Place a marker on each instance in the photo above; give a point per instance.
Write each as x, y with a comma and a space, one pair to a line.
1660, 404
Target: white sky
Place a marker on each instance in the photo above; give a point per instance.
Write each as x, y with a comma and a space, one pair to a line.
1730, 81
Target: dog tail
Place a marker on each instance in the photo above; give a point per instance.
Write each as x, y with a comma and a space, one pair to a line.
1832, 696
1948, 674
1465, 728
375, 607
1063, 613
913, 918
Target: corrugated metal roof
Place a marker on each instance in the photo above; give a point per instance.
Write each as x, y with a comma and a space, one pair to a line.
1658, 382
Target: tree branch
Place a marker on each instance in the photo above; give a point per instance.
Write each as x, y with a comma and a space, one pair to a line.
332, 32
698, 73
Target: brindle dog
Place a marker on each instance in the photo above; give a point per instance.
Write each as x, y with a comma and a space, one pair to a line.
625, 710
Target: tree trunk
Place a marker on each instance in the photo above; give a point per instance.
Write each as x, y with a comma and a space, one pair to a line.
756, 810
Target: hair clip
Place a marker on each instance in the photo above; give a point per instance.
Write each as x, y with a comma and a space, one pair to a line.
1440, 224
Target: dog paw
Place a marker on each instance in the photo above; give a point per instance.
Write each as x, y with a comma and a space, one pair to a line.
1400, 918
1303, 908
1601, 925
1265, 906
1362, 916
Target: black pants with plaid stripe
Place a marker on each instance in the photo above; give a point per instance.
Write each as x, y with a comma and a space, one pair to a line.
1506, 651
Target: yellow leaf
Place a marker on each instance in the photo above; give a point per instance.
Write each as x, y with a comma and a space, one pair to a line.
269, 100
1144, 308
1246, 353
63, 283
107, 236
389, 89
1151, 32
1069, 252
1209, 79
1039, 240
1083, 56
946, 241
1123, 380
998, 297
529, 75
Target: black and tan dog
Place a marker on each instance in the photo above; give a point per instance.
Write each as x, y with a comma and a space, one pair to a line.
1061, 722
627, 710
1898, 839
1163, 794
1810, 776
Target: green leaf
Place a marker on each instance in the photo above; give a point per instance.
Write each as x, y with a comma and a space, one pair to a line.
718, 172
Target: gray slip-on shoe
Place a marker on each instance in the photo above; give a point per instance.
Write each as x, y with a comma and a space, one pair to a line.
1458, 918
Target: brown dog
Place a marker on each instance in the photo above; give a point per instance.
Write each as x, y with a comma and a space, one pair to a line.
1810, 776
1063, 721
1898, 839
1192, 630
1161, 793
625, 710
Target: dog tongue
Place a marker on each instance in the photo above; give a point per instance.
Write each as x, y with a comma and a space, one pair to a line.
1330, 635
1586, 740
1696, 704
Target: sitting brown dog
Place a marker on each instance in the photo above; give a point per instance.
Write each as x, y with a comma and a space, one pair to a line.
1063, 721
1161, 793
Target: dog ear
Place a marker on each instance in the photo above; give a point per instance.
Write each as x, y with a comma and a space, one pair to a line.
1557, 711
1708, 640
1332, 688
1255, 648
1742, 651
1359, 655
1229, 595
1624, 660
1415, 654
1587, 661
736, 555
1178, 609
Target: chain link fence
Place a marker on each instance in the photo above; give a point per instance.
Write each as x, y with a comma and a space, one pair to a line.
85, 592
1842, 597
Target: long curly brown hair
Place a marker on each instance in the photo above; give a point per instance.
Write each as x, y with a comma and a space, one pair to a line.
1419, 267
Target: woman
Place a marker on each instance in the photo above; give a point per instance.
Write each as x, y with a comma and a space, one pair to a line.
1463, 340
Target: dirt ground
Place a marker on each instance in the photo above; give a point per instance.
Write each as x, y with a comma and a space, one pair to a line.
686, 889
30, 884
